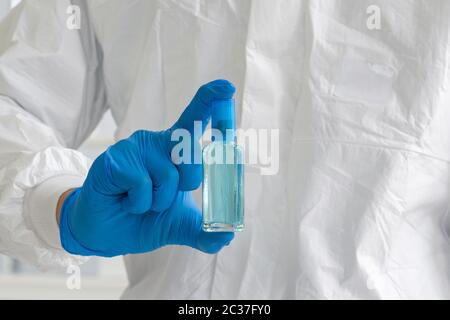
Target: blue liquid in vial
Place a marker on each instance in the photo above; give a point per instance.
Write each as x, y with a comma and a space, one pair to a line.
223, 187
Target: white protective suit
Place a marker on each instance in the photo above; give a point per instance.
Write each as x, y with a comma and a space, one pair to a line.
358, 207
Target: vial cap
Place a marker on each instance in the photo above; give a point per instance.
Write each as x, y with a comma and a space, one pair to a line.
223, 118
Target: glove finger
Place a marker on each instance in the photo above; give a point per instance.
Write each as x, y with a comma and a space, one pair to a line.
139, 197
164, 174
189, 229
200, 107
213, 242
165, 185
126, 174
180, 225
199, 110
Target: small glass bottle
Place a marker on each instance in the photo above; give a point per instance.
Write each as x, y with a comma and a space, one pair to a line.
223, 173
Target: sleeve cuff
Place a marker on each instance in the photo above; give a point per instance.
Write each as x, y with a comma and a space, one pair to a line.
40, 207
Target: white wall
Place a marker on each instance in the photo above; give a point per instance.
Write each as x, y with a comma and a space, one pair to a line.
4, 7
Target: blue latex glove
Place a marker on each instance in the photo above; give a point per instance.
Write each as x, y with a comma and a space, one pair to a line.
135, 200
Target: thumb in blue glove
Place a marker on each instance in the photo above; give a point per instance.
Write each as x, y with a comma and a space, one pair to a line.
135, 200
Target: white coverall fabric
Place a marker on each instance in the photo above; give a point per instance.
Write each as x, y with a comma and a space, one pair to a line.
358, 207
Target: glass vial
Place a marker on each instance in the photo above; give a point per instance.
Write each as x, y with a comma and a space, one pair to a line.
223, 173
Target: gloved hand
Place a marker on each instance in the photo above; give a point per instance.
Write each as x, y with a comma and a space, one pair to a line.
135, 200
